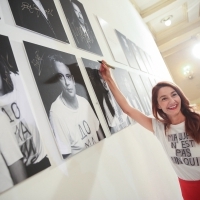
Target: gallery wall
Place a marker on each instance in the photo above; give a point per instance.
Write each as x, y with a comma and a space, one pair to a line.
129, 164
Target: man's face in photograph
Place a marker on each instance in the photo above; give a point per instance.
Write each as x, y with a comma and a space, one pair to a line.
66, 79
78, 13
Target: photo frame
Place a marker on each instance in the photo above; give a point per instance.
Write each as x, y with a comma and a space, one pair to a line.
40, 17
22, 152
67, 103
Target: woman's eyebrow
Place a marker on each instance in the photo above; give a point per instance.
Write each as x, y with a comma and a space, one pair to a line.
162, 96
173, 92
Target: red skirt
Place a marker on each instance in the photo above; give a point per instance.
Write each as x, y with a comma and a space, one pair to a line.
190, 189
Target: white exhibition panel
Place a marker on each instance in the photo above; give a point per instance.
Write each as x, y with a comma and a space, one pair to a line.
130, 164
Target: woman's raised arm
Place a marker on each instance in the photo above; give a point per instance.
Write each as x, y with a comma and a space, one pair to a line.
135, 114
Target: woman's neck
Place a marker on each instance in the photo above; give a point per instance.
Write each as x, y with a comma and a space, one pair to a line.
177, 119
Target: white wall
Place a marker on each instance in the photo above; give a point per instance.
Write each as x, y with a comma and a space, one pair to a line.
130, 164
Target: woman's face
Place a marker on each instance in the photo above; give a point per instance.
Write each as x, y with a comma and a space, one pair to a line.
169, 101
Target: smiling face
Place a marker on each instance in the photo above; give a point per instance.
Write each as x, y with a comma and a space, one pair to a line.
66, 79
78, 13
169, 101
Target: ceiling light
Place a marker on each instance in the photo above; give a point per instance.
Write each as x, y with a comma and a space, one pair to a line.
188, 72
196, 50
167, 20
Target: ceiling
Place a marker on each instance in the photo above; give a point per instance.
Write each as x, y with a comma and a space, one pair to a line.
175, 42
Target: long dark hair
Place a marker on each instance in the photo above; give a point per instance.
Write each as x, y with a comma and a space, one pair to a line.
5, 75
192, 119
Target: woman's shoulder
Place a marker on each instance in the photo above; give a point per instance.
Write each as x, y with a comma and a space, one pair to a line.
158, 126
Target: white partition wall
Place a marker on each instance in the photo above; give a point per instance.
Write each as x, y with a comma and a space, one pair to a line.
129, 164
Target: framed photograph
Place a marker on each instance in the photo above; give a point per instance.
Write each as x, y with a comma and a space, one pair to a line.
127, 88
126, 46
80, 26
1, 15
39, 16
152, 81
22, 153
137, 56
151, 63
112, 41
116, 119
145, 60
147, 84
65, 98
144, 98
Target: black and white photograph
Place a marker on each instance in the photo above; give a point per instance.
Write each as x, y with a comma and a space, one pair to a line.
144, 98
151, 63
126, 46
152, 81
112, 41
147, 85
40, 16
116, 119
137, 56
80, 26
145, 60
66, 100
1, 15
22, 153
125, 84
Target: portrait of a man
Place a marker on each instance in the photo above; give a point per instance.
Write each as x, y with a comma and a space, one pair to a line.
137, 56
80, 26
127, 88
18, 126
39, 16
145, 60
142, 93
147, 85
67, 103
126, 46
116, 119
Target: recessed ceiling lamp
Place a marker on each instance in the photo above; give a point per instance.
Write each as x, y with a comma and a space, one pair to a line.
187, 71
196, 50
167, 20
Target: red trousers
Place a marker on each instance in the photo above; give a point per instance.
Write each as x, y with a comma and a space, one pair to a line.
190, 189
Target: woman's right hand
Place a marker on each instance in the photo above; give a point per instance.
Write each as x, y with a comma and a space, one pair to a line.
105, 71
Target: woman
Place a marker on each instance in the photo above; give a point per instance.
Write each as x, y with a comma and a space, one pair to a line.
176, 125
